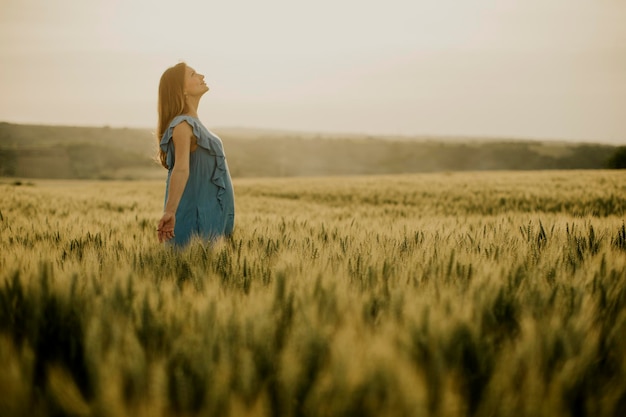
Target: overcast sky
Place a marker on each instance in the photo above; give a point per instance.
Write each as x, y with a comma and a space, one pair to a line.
544, 69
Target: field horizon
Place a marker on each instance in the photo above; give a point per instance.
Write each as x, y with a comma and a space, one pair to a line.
62, 152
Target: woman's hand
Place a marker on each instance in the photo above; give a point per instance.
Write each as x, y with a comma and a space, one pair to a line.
166, 226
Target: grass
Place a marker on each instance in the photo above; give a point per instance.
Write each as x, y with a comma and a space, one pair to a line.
431, 295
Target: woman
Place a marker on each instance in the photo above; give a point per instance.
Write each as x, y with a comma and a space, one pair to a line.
199, 198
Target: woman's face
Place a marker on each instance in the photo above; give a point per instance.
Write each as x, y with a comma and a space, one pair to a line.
194, 83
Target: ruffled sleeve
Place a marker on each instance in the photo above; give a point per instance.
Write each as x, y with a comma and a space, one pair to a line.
205, 139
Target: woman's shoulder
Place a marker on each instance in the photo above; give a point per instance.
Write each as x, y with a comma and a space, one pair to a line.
195, 124
192, 121
204, 137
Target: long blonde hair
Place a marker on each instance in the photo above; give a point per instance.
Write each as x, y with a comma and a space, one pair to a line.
171, 102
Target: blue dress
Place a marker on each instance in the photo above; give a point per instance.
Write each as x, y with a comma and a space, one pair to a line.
207, 206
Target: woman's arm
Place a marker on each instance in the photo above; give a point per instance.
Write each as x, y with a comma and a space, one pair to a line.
182, 137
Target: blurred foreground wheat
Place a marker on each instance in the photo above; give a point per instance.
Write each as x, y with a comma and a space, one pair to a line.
486, 294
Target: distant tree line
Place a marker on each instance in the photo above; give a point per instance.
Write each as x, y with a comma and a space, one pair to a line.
618, 159
71, 152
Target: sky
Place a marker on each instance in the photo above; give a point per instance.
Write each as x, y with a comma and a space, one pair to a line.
537, 69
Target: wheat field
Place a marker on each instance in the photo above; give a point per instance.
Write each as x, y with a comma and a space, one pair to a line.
474, 294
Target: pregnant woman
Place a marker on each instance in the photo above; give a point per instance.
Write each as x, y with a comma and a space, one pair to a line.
199, 197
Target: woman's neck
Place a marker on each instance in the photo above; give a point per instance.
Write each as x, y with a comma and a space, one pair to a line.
191, 106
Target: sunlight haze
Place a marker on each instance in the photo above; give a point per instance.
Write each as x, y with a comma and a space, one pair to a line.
551, 69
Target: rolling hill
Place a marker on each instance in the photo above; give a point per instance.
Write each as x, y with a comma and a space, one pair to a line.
38, 151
